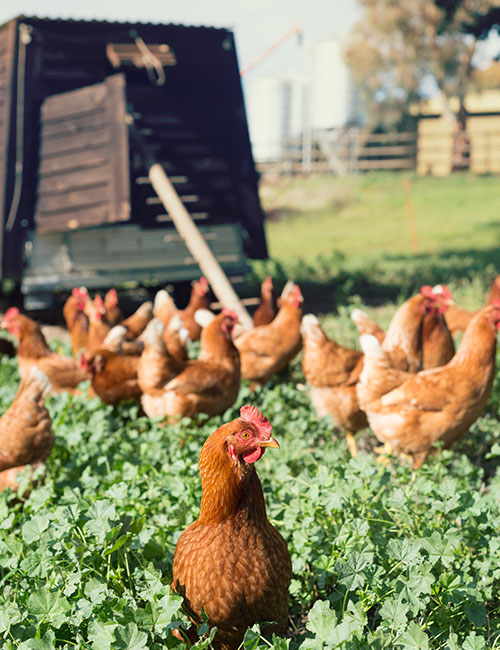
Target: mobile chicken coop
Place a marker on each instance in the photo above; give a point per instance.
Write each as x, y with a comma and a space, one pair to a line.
79, 101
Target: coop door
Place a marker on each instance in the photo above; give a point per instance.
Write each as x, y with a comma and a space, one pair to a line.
84, 167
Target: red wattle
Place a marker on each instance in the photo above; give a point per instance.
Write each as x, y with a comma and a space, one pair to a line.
254, 455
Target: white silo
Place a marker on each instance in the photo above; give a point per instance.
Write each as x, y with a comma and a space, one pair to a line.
333, 98
275, 109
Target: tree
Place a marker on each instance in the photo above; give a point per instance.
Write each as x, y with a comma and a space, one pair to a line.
400, 50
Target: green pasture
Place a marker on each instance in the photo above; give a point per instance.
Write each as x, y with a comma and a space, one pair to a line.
349, 240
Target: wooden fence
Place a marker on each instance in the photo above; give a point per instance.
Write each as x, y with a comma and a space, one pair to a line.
345, 152
430, 150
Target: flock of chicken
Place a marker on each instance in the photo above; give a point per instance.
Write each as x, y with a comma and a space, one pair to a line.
408, 384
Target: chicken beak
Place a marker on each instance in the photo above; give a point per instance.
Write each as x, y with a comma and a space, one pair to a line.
270, 443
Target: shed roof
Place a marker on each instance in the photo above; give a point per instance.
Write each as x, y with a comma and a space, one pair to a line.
114, 23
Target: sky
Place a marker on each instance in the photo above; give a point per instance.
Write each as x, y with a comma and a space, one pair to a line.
256, 23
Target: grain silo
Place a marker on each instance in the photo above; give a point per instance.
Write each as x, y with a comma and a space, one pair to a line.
333, 99
275, 108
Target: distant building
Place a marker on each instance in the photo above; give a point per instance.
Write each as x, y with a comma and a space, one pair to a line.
334, 101
275, 107
286, 106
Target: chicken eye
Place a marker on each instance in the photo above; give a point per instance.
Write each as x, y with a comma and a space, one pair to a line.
245, 435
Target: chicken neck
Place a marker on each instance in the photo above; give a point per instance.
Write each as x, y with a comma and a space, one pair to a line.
230, 490
32, 343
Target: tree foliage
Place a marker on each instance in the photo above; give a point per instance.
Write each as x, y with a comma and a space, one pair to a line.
399, 51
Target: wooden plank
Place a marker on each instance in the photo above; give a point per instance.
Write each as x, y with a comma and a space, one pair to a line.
77, 199
84, 173
73, 124
73, 219
403, 150
67, 180
120, 174
395, 163
92, 139
75, 102
74, 161
120, 54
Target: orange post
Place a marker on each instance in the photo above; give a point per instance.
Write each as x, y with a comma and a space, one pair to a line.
411, 215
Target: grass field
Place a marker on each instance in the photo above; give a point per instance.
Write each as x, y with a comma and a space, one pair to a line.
365, 216
348, 239
383, 557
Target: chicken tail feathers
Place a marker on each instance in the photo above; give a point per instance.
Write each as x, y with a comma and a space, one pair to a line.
372, 348
378, 377
310, 328
366, 325
34, 386
203, 317
153, 332
162, 300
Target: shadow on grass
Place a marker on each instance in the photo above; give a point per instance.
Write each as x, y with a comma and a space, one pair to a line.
332, 280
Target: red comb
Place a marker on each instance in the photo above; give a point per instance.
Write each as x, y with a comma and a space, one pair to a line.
231, 314
444, 291
111, 298
12, 312
426, 291
80, 292
253, 415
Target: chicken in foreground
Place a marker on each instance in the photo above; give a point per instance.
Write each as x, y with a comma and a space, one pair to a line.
26, 436
410, 412
268, 349
231, 562
332, 371
266, 311
207, 385
64, 373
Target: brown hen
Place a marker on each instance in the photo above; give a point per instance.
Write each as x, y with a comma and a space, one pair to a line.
26, 435
268, 349
156, 366
332, 371
77, 321
113, 311
420, 336
410, 412
231, 562
113, 368
207, 385
64, 373
266, 311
